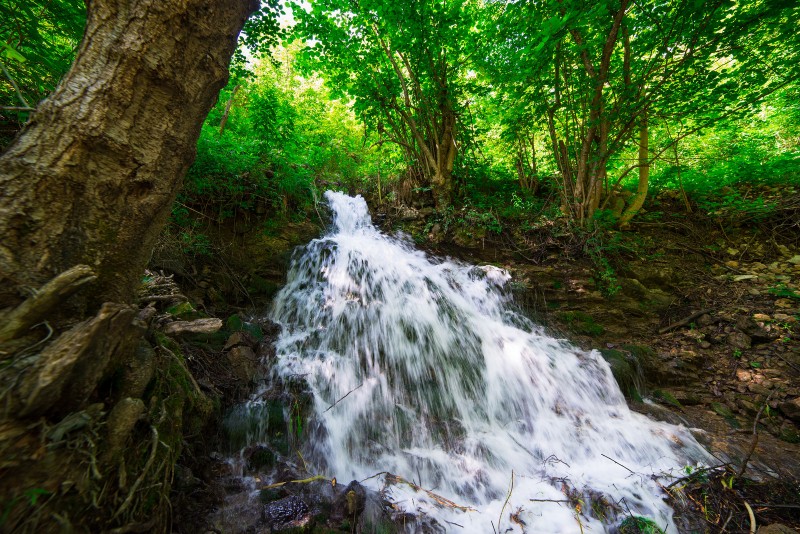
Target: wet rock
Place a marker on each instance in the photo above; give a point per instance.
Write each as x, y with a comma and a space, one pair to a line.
286, 513
349, 504
259, 457
791, 409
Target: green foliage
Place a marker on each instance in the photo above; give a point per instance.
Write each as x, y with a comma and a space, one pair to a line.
582, 323
782, 291
285, 140
639, 525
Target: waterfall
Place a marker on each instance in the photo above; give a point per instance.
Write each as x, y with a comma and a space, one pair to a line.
423, 368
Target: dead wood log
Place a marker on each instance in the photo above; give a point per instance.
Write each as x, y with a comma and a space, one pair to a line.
198, 326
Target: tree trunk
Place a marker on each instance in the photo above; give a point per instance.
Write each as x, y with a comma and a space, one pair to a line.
91, 178
644, 176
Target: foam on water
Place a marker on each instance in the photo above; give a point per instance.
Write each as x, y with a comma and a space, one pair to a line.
424, 369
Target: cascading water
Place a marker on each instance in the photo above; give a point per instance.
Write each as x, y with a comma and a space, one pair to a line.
422, 368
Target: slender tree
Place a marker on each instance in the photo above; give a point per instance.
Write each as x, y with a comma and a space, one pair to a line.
404, 64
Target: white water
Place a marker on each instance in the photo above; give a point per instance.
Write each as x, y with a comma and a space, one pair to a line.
439, 380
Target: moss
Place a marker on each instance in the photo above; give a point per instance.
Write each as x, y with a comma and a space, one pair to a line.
667, 398
726, 413
626, 372
582, 323
639, 525
789, 435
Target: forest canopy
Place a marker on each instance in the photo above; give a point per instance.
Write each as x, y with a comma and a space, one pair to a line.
501, 105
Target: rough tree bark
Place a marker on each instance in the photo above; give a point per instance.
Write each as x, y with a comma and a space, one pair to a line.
91, 178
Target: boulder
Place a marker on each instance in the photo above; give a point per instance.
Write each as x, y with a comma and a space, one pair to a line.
243, 362
287, 513
791, 409
240, 338
739, 340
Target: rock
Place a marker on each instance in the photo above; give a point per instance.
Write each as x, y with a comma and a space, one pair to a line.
243, 362
198, 326
784, 303
742, 277
739, 340
761, 317
791, 409
775, 528
748, 326
240, 338
705, 320
289, 512
349, 503
783, 318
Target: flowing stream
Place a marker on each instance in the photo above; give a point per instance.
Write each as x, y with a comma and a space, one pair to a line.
423, 368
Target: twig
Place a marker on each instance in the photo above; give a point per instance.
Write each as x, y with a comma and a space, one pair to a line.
754, 442
132, 492
16, 108
684, 321
752, 518
14, 84
342, 398
503, 509
550, 500
697, 472
302, 481
391, 478
619, 464
730, 516
764, 505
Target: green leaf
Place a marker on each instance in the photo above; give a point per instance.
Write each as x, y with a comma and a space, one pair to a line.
11, 53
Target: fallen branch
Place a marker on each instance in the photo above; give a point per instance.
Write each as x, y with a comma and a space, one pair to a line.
754, 442
684, 321
619, 464
503, 509
391, 479
38, 305
303, 481
198, 326
342, 398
